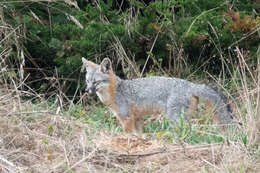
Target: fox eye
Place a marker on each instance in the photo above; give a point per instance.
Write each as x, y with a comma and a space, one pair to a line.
98, 82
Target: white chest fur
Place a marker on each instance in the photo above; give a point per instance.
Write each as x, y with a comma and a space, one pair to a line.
103, 96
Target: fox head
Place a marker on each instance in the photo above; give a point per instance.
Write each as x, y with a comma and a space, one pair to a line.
97, 76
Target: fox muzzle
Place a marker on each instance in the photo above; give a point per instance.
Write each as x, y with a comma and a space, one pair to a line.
91, 90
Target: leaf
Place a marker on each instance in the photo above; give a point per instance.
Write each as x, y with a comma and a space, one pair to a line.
60, 53
50, 129
45, 141
55, 43
158, 134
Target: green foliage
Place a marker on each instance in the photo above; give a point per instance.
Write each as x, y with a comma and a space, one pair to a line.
50, 129
57, 34
101, 118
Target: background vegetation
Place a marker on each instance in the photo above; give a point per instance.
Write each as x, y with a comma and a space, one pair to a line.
177, 38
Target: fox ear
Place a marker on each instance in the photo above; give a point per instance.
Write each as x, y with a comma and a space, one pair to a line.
105, 65
87, 64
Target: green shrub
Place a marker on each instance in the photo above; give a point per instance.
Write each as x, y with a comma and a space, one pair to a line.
57, 35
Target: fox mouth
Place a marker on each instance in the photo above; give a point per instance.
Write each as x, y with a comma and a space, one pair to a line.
92, 91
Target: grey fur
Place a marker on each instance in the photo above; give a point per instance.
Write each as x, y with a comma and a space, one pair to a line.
170, 95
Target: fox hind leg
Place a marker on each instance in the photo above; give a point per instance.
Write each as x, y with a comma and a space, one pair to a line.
212, 112
173, 114
177, 108
193, 107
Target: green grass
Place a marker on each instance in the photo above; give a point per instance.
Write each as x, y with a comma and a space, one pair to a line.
100, 118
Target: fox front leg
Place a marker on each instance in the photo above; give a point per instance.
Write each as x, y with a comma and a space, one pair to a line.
131, 125
128, 125
139, 128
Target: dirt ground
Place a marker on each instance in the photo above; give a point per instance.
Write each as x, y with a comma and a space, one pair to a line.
40, 141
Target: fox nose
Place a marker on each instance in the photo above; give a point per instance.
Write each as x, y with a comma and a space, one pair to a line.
90, 91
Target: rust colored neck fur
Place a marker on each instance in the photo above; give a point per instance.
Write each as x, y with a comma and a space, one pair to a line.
91, 64
112, 88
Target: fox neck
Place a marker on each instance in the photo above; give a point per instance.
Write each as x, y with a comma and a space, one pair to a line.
107, 96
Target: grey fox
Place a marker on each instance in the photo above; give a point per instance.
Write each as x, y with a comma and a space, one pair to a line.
130, 100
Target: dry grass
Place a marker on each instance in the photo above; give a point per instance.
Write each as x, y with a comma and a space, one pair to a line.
34, 139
